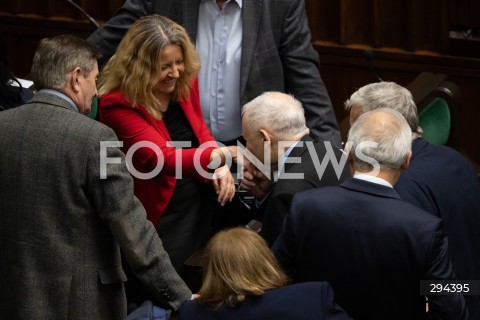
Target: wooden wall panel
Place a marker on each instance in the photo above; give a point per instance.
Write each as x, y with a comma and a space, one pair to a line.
409, 25
57, 9
22, 35
21, 7
23, 23
60, 9
464, 13
324, 20
391, 23
429, 26
356, 22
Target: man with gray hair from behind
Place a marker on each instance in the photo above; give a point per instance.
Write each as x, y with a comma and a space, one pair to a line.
294, 162
438, 180
62, 225
372, 247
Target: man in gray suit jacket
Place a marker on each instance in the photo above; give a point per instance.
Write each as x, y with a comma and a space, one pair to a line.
259, 46
62, 224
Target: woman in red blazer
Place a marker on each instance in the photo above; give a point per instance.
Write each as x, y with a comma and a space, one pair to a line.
149, 97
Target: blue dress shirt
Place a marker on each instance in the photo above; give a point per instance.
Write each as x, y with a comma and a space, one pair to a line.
219, 45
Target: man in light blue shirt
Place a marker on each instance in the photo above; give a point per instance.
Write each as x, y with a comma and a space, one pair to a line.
219, 44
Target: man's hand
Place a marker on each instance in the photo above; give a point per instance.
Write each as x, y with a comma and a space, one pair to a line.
255, 182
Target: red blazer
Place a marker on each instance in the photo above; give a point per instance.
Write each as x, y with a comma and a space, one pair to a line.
135, 124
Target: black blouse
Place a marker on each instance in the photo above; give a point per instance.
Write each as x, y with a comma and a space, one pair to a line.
186, 190
178, 126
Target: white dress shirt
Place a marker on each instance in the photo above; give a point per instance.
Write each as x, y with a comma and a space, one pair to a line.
370, 178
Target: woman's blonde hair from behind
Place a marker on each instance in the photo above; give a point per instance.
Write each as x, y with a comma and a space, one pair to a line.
237, 263
135, 67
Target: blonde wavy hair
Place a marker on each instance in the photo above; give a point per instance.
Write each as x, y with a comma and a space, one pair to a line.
237, 263
136, 64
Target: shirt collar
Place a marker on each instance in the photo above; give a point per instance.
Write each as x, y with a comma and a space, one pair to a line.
373, 179
61, 95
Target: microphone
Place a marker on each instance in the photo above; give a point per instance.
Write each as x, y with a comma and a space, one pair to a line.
368, 54
95, 23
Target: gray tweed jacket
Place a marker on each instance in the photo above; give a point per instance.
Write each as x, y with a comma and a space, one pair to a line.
62, 226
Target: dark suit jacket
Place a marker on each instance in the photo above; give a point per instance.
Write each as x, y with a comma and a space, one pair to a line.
313, 300
440, 181
309, 160
277, 54
62, 225
372, 247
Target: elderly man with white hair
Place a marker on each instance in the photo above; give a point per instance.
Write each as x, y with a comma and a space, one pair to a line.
289, 161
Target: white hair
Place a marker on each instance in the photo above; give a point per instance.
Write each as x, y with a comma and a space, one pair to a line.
388, 130
281, 114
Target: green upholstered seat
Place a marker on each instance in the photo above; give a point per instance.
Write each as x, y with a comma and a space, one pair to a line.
435, 120
93, 111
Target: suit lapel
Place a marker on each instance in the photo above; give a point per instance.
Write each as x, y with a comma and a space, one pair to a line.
251, 12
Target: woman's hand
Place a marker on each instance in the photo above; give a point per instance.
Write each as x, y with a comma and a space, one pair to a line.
219, 156
224, 185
